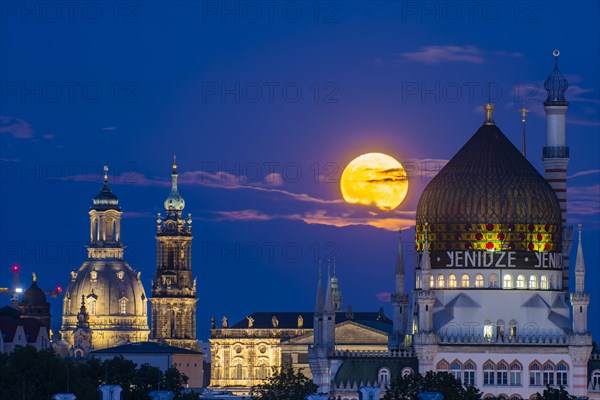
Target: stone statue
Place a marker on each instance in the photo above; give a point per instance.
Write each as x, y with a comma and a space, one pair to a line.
300, 322
275, 321
225, 322
250, 322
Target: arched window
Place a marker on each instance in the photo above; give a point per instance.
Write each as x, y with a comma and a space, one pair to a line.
520, 281
488, 329
548, 374
488, 373
507, 281
442, 366
552, 286
407, 371
493, 281
262, 372
512, 329
456, 370
431, 281
596, 379
239, 372
123, 306
562, 374
500, 329
465, 281
515, 374
516, 397
479, 281
440, 281
544, 282
469, 374
533, 282
535, 376
419, 282
110, 230
452, 281
91, 306
384, 376
502, 374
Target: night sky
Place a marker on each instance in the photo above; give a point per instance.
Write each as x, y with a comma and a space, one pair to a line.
264, 103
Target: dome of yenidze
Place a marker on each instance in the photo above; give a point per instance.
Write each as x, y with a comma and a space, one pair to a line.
489, 197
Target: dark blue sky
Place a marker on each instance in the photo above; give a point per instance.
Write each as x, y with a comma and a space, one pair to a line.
264, 106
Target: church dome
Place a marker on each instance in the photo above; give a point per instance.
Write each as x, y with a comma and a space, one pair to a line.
34, 296
489, 197
106, 199
174, 202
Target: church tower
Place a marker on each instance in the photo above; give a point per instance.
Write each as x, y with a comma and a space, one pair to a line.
556, 153
174, 291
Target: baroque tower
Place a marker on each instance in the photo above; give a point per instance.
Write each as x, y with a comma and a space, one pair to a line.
174, 291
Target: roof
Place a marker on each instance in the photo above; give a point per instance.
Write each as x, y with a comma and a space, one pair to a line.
289, 320
145, 347
365, 369
10, 323
488, 182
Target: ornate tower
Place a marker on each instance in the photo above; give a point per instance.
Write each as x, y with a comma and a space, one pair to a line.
335, 289
556, 152
580, 341
174, 291
399, 303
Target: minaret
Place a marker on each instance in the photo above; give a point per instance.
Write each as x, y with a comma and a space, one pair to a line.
556, 152
174, 291
399, 303
335, 288
323, 338
425, 341
580, 299
580, 341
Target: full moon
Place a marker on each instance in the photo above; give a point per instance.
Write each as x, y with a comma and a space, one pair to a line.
374, 179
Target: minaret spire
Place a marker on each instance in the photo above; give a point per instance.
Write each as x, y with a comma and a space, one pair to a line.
320, 304
579, 267
425, 264
399, 303
523, 122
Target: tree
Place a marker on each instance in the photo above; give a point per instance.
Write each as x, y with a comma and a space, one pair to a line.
555, 394
408, 388
285, 385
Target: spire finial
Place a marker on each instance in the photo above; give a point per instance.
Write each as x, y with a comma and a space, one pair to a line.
489, 114
106, 173
523, 111
174, 163
579, 227
34, 276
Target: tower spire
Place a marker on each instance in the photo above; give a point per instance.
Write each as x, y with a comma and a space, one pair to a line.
489, 114
579, 266
425, 262
523, 122
319, 304
400, 265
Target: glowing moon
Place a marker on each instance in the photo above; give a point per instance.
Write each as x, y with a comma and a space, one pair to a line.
374, 178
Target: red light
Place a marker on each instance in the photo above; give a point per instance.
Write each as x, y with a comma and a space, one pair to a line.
59, 289
15, 268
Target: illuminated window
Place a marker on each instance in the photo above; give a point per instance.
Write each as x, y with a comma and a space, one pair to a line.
548, 374
123, 306
596, 379
535, 376
512, 329
562, 374
520, 281
493, 281
91, 306
469, 374
440, 281
456, 370
431, 281
508, 281
262, 372
488, 373
544, 282
419, 282
479, 281
452, 281
500, 329
533, 282
465, 281
515, 374
239, 372
488, 329
384, 376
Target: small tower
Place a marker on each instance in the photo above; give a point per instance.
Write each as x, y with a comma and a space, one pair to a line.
556, 152
82, 335
323, 339
174, 291
425, 341
399, 303
335, 288
580, 341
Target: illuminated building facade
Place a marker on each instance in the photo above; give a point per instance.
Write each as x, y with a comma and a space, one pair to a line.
112, 292
174, 291
491, 303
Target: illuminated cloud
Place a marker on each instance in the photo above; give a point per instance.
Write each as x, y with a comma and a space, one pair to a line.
583, 173
16, 127
441, 54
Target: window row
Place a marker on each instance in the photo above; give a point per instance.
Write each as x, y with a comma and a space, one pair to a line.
508, 281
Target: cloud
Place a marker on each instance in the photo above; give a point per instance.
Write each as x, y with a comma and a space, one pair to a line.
245, 215
109, 128
384, 297
511, 54
583, 173
16, 127
584, 200
431, 55
48, 136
